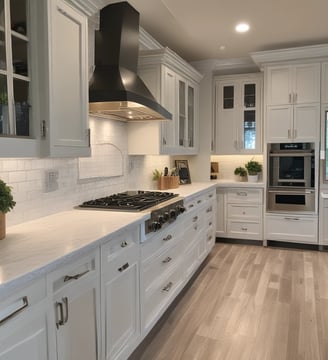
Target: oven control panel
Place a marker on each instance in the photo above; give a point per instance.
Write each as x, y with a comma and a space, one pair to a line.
163, 215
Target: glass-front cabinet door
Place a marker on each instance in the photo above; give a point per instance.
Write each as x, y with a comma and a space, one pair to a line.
238, 114
14, 69
186, 115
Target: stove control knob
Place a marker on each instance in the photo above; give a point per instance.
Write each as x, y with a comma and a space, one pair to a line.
161, 219
173, 214
155, 225
166, 216
180, 209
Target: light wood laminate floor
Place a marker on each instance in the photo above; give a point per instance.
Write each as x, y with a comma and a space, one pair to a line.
250, 303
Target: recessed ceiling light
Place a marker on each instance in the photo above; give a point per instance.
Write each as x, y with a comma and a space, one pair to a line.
222, 47
242, 27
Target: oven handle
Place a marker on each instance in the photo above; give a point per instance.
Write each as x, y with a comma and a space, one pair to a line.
291, 191
300, 154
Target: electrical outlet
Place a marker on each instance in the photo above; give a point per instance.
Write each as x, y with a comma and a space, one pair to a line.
51, 181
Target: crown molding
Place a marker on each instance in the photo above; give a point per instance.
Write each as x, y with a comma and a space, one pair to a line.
225, 65
262, 58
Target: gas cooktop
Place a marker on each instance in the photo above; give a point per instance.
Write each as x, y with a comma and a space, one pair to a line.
129, 200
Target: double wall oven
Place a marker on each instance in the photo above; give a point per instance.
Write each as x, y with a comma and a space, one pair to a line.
291, 177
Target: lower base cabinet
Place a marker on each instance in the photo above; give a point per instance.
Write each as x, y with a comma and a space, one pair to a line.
292, 228
120, 295
240, 213
76, 321
23, 324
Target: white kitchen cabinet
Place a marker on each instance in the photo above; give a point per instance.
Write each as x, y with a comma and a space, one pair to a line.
23, 324
293, 84
75, 320
292, 228
175, 85
238, 113
324, 83
293, 102
220, 213
323, 223
161, 275
287, 123
241, 215
120, 295
63, 80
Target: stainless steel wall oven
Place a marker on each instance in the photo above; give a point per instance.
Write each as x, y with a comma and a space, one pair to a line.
291, 177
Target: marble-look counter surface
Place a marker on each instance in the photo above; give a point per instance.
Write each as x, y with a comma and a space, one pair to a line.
233, 183
37, 247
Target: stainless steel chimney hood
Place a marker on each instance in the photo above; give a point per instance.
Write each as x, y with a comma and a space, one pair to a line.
116, 91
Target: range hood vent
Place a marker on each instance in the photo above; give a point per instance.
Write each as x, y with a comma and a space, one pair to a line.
116, 91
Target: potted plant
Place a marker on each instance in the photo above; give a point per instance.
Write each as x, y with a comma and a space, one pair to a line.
253, 169
6, 204
240, 173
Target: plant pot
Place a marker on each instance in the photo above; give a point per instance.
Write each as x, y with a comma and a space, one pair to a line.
2, 225
240, 178
253, 178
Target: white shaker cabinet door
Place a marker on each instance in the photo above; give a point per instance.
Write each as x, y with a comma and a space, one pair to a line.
65, 128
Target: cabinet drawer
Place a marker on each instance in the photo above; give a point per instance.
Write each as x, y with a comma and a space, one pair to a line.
244, 211
191, 261
292, 229
86, 267
244, 229
167, 237
158, 298
156, 267
245, 196
118, 244
16, 304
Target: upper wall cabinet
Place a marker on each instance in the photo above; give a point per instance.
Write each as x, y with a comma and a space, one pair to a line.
293, 84
324, 83
16, 80
43, 79
175, 85
63, 100
238, 114
293, 102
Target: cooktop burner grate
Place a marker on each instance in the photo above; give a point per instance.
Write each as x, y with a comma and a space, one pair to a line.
129, 200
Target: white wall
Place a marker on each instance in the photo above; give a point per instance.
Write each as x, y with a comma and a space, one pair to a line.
27, 177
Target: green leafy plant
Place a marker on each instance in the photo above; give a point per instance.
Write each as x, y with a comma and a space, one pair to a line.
240, 171
6, 198
253, 167
157, 174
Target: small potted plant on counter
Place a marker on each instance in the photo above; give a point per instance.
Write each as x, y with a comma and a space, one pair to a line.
241, 173
253, 169
6, 204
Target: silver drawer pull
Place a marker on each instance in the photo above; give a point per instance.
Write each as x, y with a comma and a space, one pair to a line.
65, 301
124, 244
167, 238
59, 314
190, 206
210, 209
167, 288
199, 201
244, 228
210, 223
123, 267
242, 193
75, 277
209, 238
166, 260
15, 309
292, 218
195, 218
211, 195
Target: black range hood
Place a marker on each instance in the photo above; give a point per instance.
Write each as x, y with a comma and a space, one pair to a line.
116, 91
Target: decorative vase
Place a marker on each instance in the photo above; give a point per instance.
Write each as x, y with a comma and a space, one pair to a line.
2, 225
253, 178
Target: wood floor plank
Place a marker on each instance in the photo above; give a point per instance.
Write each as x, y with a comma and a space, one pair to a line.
250, 303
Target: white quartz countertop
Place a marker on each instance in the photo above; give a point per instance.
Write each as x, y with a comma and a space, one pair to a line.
34, 248
234, 183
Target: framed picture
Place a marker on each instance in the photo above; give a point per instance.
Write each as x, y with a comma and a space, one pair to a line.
183, 171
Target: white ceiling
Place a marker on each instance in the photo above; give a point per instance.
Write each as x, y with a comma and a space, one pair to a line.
196, 29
